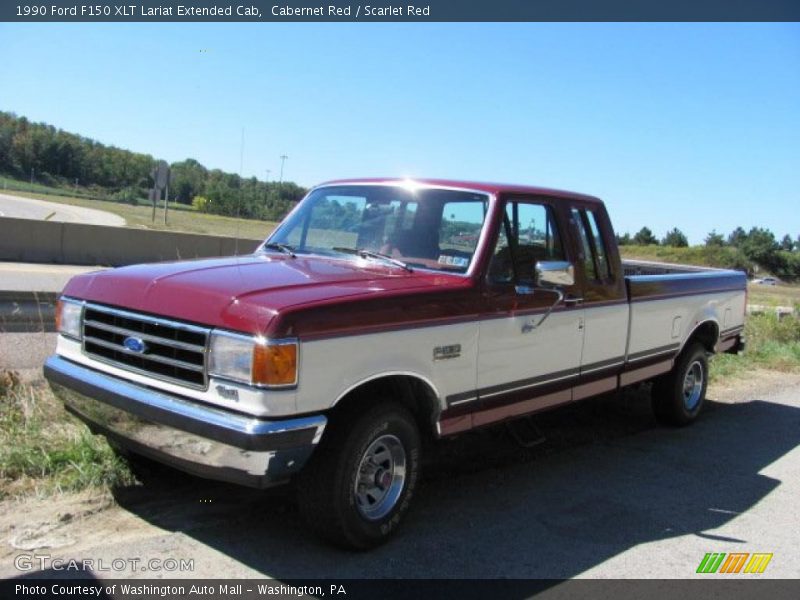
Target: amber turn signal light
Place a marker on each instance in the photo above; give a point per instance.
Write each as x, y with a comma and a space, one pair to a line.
275, 364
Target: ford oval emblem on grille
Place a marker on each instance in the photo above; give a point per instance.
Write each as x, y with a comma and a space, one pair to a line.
135, 344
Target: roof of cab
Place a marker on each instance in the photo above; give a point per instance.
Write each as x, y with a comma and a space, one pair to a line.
489, 188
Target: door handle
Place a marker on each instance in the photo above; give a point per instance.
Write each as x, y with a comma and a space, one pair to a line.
573, 300
530, 325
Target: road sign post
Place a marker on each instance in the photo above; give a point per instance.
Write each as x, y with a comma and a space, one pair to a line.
160, 175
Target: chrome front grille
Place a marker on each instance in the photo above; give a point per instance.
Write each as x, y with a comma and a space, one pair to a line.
171, 351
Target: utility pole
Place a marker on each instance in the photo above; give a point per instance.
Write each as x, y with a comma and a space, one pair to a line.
283, 158
266, 186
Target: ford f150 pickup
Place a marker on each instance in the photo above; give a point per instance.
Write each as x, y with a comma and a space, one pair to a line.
378, 316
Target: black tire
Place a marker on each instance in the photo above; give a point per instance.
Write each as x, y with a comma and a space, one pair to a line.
326, 487
679, 395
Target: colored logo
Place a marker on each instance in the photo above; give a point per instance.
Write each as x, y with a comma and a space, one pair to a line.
734, 562
135, 344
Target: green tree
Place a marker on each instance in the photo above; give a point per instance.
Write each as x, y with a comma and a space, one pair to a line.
624, 240
187, 180
57, 157
675, 238
787, 244
715, 239
737, 237
645, 237
760, 245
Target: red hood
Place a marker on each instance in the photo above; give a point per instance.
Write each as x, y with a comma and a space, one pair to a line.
246, 293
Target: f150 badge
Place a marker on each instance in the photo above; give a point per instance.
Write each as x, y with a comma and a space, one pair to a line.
228, 393
445, 352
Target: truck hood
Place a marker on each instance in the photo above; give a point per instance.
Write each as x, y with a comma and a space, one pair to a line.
246, 293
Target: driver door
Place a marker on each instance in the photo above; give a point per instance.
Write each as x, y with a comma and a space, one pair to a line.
526, 363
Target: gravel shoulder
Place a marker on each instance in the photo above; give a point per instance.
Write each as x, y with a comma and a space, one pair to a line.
608, 495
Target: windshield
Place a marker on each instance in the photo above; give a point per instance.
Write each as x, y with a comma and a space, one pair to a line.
423, 228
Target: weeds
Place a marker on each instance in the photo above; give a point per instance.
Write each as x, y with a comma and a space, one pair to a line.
44, 450
772, 343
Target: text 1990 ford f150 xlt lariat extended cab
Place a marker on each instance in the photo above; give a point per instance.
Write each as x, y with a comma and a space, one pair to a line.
379, 314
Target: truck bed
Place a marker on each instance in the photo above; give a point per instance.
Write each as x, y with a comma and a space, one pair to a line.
645, 280
668, 301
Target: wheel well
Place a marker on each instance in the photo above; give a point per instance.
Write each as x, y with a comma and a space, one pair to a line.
707, 333
413, 393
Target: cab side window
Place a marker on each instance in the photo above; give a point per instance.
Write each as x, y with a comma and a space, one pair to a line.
593, 248
603, 266
528, 234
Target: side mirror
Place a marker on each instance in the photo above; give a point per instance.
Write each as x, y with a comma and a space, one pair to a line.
555, 272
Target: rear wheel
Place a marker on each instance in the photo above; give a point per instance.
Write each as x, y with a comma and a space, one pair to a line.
359, 483
679, 395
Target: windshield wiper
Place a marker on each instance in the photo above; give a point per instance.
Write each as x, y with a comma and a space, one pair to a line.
364, 253
285, 248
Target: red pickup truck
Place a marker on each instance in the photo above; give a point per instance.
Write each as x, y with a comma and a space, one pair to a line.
380, 314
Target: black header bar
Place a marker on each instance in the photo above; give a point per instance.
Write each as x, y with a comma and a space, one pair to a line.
395, 589
397, 11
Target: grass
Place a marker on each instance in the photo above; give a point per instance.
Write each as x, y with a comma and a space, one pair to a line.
43, 450
772, 343
774, 295
180, 217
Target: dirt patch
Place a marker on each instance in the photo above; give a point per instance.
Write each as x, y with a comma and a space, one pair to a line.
65, 521
755, 384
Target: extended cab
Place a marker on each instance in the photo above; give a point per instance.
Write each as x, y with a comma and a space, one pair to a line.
378, 315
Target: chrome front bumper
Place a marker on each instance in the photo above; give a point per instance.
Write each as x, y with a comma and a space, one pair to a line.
206, 441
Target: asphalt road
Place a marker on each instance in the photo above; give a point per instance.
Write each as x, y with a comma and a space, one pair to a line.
28, 208
609, 495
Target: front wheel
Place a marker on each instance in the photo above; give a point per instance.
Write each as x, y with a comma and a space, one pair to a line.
359, 483
678, 396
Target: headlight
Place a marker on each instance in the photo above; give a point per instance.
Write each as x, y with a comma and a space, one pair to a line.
68, 317
253, 361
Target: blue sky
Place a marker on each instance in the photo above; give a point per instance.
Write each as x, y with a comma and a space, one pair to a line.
688, 125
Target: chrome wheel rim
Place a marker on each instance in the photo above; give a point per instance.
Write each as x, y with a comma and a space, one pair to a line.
381, 477
693, 385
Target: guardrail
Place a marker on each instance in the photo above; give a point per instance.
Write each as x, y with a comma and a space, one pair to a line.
27, 312
780, 311
26, 240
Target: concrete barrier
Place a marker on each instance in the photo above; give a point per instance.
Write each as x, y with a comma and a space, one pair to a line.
26, 240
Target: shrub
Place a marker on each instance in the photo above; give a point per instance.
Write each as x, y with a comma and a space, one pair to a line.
200, 203
128, 194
